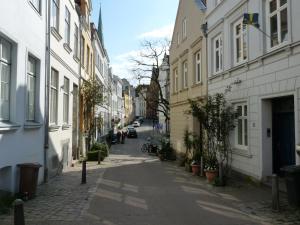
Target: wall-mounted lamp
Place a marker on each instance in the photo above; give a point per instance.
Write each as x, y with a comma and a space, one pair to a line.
204, 29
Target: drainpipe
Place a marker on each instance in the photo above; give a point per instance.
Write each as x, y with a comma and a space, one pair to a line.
47, 84
79, 84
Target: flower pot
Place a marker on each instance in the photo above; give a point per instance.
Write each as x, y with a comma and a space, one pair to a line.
195, 169
211, 175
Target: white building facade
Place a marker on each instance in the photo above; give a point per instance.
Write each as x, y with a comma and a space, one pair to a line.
22, 88
259, 72
164, 82
64, 86
101, 73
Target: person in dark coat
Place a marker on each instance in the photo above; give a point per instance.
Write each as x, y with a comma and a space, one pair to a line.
118, 136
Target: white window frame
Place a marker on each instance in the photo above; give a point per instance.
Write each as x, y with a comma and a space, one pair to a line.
55, 14
184, 74
175, 80
31, 103
36, 4
54, 107
243, 42
198, 68
66, 100
218, 49
76, 41
277, 14
67, 26
5, 85
245, 130
184, 34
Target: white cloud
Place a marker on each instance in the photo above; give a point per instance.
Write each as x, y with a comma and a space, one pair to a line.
163, 32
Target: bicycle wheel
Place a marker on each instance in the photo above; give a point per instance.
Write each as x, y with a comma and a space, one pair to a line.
144, 148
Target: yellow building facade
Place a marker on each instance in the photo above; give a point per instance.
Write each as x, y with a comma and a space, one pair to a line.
187, 71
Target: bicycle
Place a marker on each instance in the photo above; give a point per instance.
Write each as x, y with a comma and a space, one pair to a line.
149, 147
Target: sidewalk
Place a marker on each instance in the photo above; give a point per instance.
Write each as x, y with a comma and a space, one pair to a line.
63, 200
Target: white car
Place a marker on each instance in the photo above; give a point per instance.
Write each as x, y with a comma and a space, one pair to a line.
136, 124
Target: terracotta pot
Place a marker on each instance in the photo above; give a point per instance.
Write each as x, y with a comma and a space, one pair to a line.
211, 175
195, 169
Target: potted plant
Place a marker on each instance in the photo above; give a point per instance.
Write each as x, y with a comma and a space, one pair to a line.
211, 165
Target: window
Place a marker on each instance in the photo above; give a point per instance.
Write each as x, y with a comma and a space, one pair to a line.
242, 126
53, 96
5, 74
36, 4
184, 75
66, 91
178, 39
82, 51
198, 77
87, 58
67, 26
278, 21
55, 14
240, 42
31, 88
184, 28
175, 88
218, 54
76, 32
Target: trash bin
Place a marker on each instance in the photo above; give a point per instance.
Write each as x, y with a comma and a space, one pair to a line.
29, 173
292, 180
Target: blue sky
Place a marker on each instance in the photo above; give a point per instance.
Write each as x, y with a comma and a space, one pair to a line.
127, 22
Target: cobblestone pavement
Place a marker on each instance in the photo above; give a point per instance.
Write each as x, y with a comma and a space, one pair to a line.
63, 200
132, 188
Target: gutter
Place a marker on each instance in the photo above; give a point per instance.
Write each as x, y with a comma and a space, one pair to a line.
47, 84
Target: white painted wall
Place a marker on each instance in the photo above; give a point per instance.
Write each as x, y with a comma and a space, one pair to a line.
268, 73
60, 134
24, 28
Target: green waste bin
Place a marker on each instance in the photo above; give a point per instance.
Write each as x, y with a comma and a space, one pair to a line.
29, 173
292, 180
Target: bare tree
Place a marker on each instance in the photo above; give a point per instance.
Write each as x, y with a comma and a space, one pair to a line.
146, 67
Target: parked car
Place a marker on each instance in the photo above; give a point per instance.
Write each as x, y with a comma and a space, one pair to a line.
131, 132
136, 124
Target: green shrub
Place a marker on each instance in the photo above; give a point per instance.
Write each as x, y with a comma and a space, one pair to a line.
6, 202
92, 155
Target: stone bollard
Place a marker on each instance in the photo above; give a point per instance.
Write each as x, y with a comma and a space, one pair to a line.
99, 157
275, 193
83, 175
19, 212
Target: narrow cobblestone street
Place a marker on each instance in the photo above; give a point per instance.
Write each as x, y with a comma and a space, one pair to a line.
130, 188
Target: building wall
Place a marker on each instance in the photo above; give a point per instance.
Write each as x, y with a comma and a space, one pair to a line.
266, 74
22, 141
181, 51
65, 62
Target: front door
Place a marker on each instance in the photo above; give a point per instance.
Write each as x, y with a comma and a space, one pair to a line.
283, 133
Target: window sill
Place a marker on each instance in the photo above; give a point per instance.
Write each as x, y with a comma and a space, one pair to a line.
53, 127
32, 125
9, 126
55, 33
197, 84
76, 58
66, 126
242, 152
67, 47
